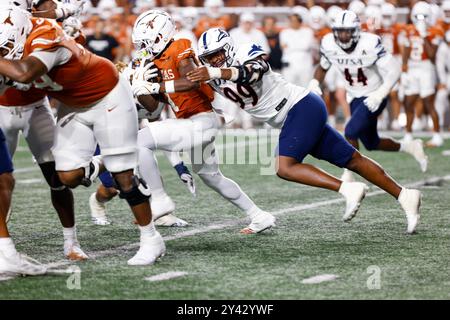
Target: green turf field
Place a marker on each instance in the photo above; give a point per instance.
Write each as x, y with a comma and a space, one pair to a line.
371, 256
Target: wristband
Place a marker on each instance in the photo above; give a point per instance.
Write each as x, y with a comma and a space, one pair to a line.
214, 73
169, 86
234, 74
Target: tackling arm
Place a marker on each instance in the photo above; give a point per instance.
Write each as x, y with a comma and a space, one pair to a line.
25, 70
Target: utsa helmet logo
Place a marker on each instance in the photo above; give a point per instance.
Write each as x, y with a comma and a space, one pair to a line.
222, 35
255, 49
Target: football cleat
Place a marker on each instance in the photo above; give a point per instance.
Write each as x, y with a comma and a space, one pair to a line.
20, 265
354, 193
169, 220
415, 148
410, 200
161, 206
436, 141
72, 251
150, 250
261, 220
91, 171
347, 176
98, 211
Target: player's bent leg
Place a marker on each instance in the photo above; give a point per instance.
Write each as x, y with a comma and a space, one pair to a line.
134, 190
161, 204
208, 170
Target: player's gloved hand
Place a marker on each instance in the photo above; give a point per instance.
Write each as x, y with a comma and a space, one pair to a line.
22, 86
145, 72
67, 8
374, 100
422, 28
72, 26
144, 88
314, 86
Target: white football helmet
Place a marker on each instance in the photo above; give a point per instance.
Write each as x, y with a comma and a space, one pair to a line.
446, 9
373, 17
421, 12
22, 4
377, 3
213, 41
15, 25
302, 12
317, 17
357, 7
389, 14
332, 13
152, 32
190, 17
436, 13
346, 29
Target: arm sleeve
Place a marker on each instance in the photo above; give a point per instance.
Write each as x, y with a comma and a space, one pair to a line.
54, 58
184, 50
390, 71
324, 62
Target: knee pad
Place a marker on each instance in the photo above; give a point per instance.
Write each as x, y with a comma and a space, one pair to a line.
138, 194
51, 176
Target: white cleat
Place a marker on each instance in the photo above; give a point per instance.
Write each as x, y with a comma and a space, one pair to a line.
354, 193
161, 206
408, 137
72, 251
436, 141
347, 176
98, 211
415, 148
261, 220
20, 265
169, 220
8, 215
150, 250
189, 182
410, 200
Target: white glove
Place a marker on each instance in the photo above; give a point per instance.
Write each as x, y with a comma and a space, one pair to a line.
67, 8
314, 86
145, 73
144, 88
374, 100
22, 86
72, 26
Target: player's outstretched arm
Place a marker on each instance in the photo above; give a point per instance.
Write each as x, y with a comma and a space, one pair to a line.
25, 70
60, 11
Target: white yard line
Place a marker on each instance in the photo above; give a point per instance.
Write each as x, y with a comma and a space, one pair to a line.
29, 181
320, 278
166, 276
190, 233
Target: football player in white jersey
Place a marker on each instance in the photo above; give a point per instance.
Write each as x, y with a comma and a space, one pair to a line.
246, 78
370, 74
196, 126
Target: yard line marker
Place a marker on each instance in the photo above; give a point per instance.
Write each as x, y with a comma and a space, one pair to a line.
320, 278
166, 276
30, 181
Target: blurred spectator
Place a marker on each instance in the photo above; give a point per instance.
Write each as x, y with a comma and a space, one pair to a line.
247, 32
184, 33
298, 44
272, 33
213, 18
103, 44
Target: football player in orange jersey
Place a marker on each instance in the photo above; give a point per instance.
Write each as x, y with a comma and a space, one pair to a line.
419, 78
96, 107
29, 111
197, 125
